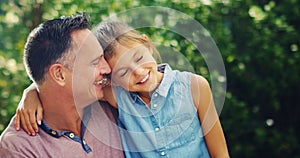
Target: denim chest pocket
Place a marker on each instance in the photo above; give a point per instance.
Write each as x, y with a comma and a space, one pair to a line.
181, 130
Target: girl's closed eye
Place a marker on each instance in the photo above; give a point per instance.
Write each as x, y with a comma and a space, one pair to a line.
123, 72
139, 58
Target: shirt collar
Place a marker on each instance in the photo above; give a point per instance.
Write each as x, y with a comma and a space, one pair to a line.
167, 80
87, 115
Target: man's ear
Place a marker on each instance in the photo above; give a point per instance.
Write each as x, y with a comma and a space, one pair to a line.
58, 74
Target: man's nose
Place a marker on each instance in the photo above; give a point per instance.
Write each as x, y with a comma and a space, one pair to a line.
104, 67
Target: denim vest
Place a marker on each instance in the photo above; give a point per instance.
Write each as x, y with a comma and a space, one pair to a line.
170, 127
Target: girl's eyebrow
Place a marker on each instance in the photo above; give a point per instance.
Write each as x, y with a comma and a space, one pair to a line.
133, 55
120, 69
135, 52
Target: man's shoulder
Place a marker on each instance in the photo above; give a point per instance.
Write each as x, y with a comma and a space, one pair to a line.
20, 144
102, 106
11, 137
9, 153
13, 141
103, 113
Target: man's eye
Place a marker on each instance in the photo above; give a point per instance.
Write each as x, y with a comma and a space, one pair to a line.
95, 63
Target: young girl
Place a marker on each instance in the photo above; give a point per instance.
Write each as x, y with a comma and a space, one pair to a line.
162, 112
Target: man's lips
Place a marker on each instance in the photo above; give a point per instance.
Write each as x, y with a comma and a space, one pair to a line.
104, 82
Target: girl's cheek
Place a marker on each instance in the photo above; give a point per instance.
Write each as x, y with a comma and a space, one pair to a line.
125, 84
119, 81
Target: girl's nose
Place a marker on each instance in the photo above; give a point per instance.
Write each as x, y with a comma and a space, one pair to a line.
138, 71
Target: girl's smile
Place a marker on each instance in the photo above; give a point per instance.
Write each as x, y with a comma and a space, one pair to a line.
145, 79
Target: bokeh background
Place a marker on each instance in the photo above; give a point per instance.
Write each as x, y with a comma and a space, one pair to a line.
259, 41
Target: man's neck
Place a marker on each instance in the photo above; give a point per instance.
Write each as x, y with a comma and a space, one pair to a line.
64, 122
62, 114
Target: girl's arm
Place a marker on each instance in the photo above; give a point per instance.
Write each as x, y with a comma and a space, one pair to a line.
208, 115
29, 111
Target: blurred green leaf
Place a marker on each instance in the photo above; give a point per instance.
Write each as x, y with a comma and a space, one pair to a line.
259, 42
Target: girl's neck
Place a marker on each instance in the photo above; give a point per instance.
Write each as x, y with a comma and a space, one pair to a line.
146, 98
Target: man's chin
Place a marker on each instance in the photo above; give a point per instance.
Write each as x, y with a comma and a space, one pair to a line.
100, 96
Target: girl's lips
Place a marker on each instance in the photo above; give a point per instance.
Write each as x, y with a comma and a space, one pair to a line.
144, 79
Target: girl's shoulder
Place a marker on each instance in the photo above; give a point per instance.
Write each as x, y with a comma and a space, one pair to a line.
191, 77
183, 76
198, 79
199, 88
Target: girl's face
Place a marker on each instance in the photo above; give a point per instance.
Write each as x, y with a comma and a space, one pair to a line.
135, 69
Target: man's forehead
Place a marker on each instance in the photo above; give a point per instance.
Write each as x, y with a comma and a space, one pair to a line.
86, 43
80, 37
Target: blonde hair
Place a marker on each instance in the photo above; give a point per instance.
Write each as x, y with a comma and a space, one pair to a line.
112, 33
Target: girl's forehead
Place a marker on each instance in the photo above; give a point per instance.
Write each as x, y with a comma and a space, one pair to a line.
122, 48
125, 53
130, 43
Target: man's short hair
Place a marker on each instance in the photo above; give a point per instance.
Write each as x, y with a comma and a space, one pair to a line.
49, 42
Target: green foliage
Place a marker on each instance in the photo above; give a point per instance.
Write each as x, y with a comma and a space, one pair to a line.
259, 42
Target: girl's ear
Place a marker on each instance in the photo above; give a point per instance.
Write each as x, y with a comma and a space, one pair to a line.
58, 74
145, 37
148, 44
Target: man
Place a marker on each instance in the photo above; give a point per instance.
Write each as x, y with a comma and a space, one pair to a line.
65, 60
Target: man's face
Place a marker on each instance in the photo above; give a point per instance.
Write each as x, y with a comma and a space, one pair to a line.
89, 67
